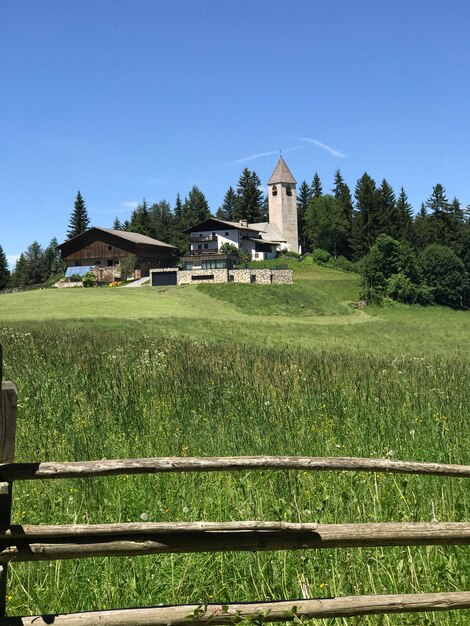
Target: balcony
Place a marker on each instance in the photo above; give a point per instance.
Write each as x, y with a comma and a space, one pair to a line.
206, 252
202, 239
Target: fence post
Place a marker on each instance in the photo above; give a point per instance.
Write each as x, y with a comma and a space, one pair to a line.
7, 452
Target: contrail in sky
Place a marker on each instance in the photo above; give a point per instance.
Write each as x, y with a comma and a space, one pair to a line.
332, 151
253, 157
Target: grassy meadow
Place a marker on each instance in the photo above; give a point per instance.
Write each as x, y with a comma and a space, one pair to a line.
118, 373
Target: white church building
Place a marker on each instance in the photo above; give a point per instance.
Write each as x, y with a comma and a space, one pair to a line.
261, 240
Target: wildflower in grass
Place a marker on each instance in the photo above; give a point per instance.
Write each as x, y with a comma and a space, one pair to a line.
144, 516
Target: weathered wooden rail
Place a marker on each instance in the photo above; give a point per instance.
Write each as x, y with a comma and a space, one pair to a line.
38, 543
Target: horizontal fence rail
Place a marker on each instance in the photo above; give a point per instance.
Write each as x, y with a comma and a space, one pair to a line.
56, 542
285, 611
82, 469
38, 543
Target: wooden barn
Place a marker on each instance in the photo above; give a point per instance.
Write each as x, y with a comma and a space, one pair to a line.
103, 248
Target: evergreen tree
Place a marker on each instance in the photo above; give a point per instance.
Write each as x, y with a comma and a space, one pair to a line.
443, 225
423, 229
79, 221
249, 198
342, 193
126, 225
140, 219
161, 221
53, 265
386, 219
228, 207
4, 270
317, 189
195, 208
19, 277
303, 198
35, 270
364, 226
117, 224
404, 217
325, 223
179, 239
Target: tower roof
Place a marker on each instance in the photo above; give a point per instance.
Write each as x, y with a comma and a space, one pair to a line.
281, 174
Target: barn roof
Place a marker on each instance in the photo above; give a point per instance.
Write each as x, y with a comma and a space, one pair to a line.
123, 234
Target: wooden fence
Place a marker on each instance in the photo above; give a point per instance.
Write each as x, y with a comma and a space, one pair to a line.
36, 543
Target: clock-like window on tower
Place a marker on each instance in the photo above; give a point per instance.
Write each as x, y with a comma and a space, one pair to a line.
288, 190
274, 190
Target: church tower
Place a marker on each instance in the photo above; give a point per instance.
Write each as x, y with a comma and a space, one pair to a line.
283, 204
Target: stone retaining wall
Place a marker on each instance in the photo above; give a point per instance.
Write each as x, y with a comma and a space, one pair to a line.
260, 277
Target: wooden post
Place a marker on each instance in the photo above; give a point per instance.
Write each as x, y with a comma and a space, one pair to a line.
7, 453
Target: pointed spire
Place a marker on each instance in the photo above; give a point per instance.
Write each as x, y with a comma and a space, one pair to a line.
281, 174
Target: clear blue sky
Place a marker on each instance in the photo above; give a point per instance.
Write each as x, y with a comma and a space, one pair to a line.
126, 99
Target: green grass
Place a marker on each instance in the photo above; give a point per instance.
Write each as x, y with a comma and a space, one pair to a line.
85, 394
314, 312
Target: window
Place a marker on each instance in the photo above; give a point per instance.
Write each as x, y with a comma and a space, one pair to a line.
110, 263
110, 247
253, 278
203, 277
288, 190
231, 278
199, 247
188, 265
226, 234
206, 245
256, 255
274, 190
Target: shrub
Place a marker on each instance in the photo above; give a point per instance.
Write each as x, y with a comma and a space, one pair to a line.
89, 280
321, 257
342, 263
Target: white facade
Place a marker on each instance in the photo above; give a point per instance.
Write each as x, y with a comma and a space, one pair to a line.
246, 239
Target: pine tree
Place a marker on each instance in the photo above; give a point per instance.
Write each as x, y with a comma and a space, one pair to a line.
227, 209
35, 269
317, 189
140, 219
303, 199
117, 224
325, 223
53, 265
195, 208
19, 277
4, 270
79, 221
364, 231
342, 193
386, 216
161, 221
250, 204
443, 226
179, 239
405, 217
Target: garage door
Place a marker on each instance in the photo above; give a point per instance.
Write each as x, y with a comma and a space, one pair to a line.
163, 278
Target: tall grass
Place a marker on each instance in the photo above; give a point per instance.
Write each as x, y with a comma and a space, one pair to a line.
85, 394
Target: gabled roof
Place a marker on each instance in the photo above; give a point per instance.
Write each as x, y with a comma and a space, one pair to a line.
123, 234
235, 225
281, 174
269, 232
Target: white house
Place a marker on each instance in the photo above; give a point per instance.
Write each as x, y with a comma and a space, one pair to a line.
208, 237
